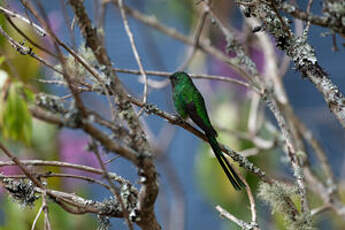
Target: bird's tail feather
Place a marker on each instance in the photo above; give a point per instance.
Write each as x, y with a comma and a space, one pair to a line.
229, 171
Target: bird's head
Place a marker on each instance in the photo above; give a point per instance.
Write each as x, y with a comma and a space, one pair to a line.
178, 78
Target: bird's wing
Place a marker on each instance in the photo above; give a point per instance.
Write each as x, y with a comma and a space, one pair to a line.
204, 124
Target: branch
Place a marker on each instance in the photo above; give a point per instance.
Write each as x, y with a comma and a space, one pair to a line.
196, 38
134, 49
70, 199
304, 58
113, 188
63, 175
37, 28
239, 222
326, 21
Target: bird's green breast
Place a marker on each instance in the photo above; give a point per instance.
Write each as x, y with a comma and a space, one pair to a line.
188, 93
180, 98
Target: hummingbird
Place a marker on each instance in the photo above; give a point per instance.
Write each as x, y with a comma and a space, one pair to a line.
189, 102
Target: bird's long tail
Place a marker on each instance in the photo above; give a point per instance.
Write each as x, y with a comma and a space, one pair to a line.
229, 171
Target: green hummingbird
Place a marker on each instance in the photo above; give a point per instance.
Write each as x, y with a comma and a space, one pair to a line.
189, 103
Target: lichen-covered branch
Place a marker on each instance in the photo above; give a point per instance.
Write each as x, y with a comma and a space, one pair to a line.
331, 19
302, 54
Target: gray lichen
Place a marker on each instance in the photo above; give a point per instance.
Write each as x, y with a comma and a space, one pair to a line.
77, 70
277, 195
50, 102
129, 195
21, 191
245, 163
111, 206
73, 117
301, 52
103, 222
335, 13
296, 47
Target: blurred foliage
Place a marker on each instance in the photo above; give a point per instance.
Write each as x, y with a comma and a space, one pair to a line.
17, 72
59, 219
16, 120
2, 59
182, 10
44, 140
14, 61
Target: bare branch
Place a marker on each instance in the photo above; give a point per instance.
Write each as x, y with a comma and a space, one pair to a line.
134, 49
113, 189
239, 222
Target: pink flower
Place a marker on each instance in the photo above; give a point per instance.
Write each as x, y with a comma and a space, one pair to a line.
8, 170
73, 149
221, 68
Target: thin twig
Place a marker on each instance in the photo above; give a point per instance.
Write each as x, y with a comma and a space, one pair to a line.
21, 166
111, 160
68, 23
310, 2
282, 22
37, 28
193, 75
29, 39
324, 21
251, 200
135, 52
25, 50
254, 112
317, 211
194, 48
84, 168
319, 151
232, 218
113, 189
47, 225
64, 175
81, 205
36, 218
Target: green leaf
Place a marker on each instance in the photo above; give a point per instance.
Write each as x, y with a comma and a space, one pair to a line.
2, 59
16, 118
29, 95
